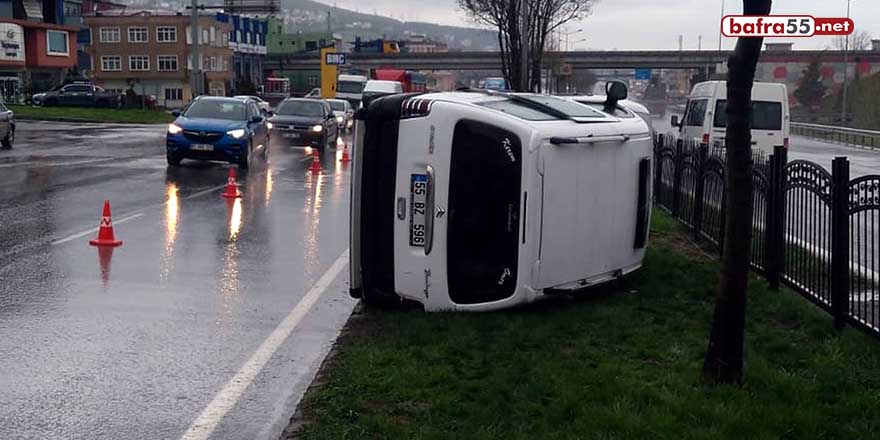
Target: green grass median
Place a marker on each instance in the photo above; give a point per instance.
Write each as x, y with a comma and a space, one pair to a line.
619, 363
82, 114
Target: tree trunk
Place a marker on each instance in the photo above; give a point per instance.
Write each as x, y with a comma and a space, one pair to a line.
724, 357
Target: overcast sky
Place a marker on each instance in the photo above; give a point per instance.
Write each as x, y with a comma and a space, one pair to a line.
643, 24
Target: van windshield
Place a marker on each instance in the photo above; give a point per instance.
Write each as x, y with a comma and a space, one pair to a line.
350, 86
766, 115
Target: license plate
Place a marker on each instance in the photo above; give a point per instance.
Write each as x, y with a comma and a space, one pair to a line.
202, 147
291, 135
418, 190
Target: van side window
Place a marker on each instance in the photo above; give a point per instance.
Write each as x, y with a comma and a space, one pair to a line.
766, 115
695, 114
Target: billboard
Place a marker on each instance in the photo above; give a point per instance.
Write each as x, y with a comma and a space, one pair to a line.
252, 6
11, 42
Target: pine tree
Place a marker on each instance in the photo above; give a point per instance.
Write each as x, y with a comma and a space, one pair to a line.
811, 90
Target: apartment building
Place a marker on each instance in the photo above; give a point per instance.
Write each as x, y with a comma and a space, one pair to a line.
37, 48
148, 51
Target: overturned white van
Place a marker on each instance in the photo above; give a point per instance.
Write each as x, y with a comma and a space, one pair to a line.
482, 200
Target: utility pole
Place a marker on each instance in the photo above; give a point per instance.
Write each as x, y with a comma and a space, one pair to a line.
700, 42
680, 43
524, 42
195, 74
845, 71
719, 30
329, 29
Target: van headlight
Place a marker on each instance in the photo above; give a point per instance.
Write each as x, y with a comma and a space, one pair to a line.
339, 119
174, 129
236, 133
317, 128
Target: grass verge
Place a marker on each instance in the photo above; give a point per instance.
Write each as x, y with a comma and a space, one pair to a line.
621, 363
82, 114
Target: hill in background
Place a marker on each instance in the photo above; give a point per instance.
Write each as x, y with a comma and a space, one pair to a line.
311, 16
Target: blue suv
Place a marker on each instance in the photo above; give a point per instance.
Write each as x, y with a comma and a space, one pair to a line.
217, 128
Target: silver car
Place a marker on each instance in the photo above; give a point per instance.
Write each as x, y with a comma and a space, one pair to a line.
343, 112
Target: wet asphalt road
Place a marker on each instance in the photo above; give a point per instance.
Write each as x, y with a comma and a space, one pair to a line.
137, 343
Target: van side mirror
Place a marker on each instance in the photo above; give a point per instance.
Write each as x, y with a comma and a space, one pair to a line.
614, 91
674, 120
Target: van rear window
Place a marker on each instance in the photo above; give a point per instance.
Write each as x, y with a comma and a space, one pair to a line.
766, 115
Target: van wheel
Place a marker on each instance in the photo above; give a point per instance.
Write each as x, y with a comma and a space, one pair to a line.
173, 160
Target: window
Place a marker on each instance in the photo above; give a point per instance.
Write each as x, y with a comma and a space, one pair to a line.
166, 34
766, 115
173, 94
347, 86
166, 63
109, 34
56, 43
137, 35
112, 63
216, 109
205, 37
312, 80
77, 88
695, 113
212, 35
138, 63
238, 36
484, 195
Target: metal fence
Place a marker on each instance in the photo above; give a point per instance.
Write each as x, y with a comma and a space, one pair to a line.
840, 135
816, 231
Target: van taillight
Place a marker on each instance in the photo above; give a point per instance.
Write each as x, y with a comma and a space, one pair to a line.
415, 108
785, 143
706, 138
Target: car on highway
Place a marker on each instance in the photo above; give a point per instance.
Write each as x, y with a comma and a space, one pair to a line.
7, 127
307, 122
218, 128
78, 95
478, 200
705, 116
343, 112
378, 87
261, 103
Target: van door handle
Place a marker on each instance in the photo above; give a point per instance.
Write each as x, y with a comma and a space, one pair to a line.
429, 210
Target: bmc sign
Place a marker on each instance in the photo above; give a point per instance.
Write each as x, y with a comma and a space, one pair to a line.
334, 59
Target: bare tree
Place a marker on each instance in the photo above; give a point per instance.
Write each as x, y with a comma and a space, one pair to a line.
544, 17
724, 357
858, 40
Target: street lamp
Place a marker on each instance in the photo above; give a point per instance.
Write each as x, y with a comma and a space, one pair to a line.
845, 70
567, 34
719, 30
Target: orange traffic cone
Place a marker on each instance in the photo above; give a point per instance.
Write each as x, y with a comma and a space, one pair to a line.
231, 187
105, 231
316, 163
345, 157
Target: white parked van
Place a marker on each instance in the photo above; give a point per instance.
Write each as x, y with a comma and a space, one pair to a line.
482, 200
705, 118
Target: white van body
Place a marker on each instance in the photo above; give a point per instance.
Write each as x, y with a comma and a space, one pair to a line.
705, 118
472, 201
350, 88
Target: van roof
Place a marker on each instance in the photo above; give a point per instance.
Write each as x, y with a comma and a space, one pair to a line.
760, 90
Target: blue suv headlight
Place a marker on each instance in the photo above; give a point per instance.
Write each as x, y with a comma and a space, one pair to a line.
239, 133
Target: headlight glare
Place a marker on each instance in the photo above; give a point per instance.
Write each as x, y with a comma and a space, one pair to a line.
174, 129
236, 133
317, 128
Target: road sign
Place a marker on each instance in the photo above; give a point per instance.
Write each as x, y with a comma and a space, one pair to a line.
334, 58
642, 74
329, 71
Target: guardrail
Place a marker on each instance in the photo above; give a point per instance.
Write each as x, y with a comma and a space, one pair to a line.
839, 135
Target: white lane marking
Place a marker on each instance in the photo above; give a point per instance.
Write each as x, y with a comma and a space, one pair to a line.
93, 230
55, 164
226, 399
203, 192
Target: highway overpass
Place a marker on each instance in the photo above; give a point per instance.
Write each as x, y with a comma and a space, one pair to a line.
670, 59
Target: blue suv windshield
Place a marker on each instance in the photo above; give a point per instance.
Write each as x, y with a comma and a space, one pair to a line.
216, 109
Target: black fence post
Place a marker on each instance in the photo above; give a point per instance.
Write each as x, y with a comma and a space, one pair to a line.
840, 240
774, 241
658, 166
676, 178
699, 190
